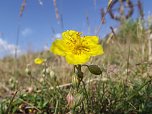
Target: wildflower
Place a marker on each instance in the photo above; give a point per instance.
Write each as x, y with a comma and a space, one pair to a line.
75, 48
70, 99
38, 61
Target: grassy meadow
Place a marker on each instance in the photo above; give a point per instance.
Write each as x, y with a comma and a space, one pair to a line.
121, 83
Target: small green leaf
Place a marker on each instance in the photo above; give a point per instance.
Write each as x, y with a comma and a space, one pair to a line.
94, 69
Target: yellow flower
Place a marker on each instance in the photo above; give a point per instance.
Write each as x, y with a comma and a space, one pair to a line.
38, 61
75, 48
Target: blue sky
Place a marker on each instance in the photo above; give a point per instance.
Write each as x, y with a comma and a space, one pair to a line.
38, 25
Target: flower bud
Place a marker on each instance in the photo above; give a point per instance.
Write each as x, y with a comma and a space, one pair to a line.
41, 80
74, 100
75, 80
70, 99
43, 72
47, 70
52, 75
28, 71
94, 69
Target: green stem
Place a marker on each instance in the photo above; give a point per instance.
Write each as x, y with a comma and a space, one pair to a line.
74, 68
56, 108
86, 94
9, 106
103, 91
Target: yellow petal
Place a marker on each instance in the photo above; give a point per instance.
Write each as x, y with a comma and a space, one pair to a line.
96, 50
38, 61
58, 47
90, 39
70, 33
77, 59
92, 42
71, 37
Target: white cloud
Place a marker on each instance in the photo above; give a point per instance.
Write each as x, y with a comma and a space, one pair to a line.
58, 35
25, 32
7, 48
41, 2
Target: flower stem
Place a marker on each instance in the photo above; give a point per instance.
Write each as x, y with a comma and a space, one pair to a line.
86, 94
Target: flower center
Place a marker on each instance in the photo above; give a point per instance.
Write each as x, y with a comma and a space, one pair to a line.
80, 49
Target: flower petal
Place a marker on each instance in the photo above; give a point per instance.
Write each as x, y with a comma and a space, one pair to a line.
92, 42
77, 59
71, 37
70, 33
91, 39
96, 50
38, 61
58, 47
